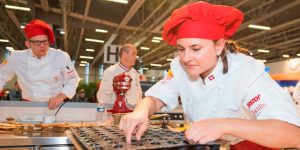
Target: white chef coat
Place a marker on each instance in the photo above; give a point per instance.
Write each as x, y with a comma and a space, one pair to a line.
246, 91
41, 79
296, 95
106, 94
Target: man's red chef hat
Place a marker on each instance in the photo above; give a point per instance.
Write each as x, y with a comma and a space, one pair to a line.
202, 20
39, 27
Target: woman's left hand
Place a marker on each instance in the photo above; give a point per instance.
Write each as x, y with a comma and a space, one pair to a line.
205, 130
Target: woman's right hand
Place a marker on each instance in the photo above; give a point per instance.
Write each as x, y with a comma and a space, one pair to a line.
134, 123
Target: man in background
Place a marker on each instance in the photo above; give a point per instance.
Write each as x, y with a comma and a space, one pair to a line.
15, 94
105, 94
80, 96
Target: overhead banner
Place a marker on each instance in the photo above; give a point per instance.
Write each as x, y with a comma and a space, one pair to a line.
111, 54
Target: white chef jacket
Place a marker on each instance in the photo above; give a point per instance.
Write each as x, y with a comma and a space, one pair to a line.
106, 94
246, 91
296, 95
41, 79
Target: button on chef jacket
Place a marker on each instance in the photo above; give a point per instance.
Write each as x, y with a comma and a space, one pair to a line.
246, 91
296, 95
41, 79
106, 94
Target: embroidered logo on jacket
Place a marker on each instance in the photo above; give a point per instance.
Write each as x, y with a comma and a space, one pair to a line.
256, 104
258, 108
56, 78
211, 77
70, 73
253, 100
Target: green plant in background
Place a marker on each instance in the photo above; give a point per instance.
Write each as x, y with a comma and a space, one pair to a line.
89, 89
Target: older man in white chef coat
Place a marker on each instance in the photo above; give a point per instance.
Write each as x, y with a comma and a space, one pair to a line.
105, 94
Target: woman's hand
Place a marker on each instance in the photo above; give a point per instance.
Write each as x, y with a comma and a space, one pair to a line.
205, 131
134, 123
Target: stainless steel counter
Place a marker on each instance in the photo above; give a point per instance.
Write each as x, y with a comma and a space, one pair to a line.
36, 141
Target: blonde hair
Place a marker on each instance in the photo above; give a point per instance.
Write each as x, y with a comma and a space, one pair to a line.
232, 47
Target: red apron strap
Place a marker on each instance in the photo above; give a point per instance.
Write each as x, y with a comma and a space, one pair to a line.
247, 145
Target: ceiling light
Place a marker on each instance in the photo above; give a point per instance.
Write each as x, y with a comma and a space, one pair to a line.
156, 65
83, 62
119, 1
90, 50
263, 51
62, 32
169, 59
286, 56
145, 68
155, 41
17, 7
137, 56
101, 30
10, 48
7, 47
157, 38
4, 40
259, 27
82, 65
263, 60
298, 54
251, 53
145, 48
94, 40
22, 27
86, 57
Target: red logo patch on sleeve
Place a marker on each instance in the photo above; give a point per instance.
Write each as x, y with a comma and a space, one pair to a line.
71, 74
253, 100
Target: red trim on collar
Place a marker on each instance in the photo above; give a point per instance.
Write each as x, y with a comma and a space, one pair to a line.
123, 67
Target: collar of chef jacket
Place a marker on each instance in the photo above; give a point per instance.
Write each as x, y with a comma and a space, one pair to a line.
207, 81
123, 67
33, 56
215, 74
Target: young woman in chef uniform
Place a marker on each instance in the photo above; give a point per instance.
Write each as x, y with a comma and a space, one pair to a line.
224, 93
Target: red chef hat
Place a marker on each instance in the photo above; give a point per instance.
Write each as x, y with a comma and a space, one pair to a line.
202, 20
39, 27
